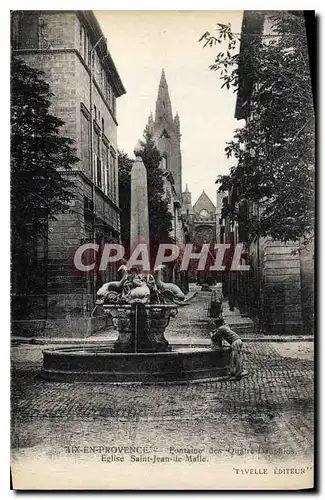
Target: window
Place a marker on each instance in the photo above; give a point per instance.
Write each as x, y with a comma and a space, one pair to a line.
15, 30
95, 112
85, 49
106, 168
109, 96
109, 174
88, 54
165, 134
85, 144
109, 163
108, 92
98, 161
99, 172
81, 38
27, 30
99, 72
97, 68
84, 44
204, 213
113, 176
88, 205
103, 79
114, 105
103, 125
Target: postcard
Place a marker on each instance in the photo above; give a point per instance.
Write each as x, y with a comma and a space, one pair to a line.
162, 249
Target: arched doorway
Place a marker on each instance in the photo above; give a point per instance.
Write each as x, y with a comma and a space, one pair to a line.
204, 235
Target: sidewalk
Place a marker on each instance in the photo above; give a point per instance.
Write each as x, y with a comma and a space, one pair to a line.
191, 326
270, 409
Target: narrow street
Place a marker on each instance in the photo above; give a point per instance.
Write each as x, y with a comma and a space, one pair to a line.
153, 177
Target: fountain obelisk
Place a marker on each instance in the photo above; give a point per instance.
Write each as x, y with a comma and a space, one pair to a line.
139, 203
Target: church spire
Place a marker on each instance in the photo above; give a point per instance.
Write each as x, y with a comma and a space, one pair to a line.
176, 124
151, 124
163, 104
187, 208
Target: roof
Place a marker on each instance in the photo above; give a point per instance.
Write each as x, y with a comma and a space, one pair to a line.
203, 202
95, 32
163, 103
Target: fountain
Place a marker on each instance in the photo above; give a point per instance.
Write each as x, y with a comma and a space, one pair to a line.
141, 305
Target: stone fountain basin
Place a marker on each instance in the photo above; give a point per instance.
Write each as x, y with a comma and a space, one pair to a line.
100, 364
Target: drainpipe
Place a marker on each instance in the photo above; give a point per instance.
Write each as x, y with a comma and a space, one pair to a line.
93, 176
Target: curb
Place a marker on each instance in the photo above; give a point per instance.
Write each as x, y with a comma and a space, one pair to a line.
15, 341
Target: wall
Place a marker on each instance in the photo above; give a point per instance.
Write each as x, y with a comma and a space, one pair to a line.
66, 309
281, 288
307, 271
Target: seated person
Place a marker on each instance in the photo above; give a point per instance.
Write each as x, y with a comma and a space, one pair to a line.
223, 332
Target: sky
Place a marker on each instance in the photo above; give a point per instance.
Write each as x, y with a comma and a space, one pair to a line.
141, 43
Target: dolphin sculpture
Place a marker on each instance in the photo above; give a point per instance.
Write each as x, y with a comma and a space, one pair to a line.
112, 286
170, 291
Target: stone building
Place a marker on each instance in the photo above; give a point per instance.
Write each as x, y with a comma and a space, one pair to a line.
279, 290
71, 50
204, 220
219, 222
165, 130
201, 222
200, 218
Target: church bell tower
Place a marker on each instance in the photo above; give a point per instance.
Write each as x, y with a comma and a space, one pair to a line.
166, 133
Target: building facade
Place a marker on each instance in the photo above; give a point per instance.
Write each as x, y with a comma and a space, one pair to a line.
279, 290
220, 197
71, 50
204, 220
201, 222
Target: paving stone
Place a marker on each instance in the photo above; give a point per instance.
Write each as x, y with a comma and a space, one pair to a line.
271, 408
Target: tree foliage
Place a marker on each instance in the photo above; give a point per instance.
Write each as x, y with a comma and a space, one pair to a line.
38, 153
159, 215
273, 152
124, 183
160, 218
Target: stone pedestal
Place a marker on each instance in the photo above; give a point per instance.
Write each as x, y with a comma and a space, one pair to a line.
141, 327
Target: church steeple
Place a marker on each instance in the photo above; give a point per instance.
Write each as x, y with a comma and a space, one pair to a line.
151, 124
163, 103
187, 208
176, 124
165, 130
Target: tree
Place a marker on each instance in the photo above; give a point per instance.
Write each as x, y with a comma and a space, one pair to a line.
39, 154
124, 184
159, 215
274, 152
160, 218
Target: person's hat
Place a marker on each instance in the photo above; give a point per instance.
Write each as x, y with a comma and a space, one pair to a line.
219, 321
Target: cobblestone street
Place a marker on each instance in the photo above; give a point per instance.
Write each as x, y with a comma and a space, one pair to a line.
266, 416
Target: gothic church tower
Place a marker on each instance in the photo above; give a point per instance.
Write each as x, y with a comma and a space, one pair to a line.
187, 208
166, 133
